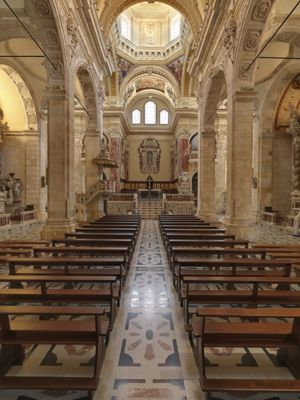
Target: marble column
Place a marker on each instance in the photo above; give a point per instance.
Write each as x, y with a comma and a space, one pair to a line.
116, 155
183, 164
61, 195
265, 171
239, 218
207, 175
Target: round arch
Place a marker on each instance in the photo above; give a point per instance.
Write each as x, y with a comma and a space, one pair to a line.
185, 7
25, 93
215, 93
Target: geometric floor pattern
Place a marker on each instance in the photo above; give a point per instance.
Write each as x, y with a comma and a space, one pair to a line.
149, 355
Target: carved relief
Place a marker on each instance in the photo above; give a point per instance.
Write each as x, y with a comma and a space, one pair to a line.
56, 72
245, 72
149, 153
42, 8
261, 10
51, 38
252, 40
229, 34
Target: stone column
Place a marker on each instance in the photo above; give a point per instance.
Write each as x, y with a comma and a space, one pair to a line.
116, 155
207, 175
239, 217
265, 170
220, 160
92, 140
295, 195
42, 202
61, 201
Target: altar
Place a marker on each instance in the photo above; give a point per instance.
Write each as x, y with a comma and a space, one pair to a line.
153, 194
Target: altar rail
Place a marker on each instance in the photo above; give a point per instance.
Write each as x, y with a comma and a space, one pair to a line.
179, 204
121, 203
164, 186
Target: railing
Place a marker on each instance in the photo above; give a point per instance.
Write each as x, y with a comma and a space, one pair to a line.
121, 197
24, 216
179, 197
4, 219
120, 203
164, 186
101, 187
177, 204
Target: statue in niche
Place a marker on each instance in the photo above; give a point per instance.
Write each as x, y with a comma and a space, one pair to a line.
17, 189
294, 121
104, 150
149, 33
9, 188
296, 225
12, 187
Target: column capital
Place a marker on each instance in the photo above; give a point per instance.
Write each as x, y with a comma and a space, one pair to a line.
53, 91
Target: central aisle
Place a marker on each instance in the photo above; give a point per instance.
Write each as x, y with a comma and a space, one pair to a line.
149, 355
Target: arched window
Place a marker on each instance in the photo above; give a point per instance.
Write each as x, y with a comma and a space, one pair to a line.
125, 27
136, 116
175, 27
150, 112
164, 117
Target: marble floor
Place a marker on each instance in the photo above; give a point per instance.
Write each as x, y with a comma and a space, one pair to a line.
149, 355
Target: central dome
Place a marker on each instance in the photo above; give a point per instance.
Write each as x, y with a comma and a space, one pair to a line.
150, 25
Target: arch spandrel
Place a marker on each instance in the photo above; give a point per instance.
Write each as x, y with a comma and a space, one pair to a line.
252, 24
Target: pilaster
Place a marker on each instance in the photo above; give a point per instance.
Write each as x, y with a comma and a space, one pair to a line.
61, 196
239, 218
207, 175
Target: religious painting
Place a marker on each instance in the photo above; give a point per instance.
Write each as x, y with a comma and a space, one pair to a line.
176, 68
123, 69
150, 83
288, 104
149, 153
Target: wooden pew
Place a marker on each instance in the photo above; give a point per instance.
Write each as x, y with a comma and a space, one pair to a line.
95, 242
85, 251
17, 332
285, 336
252, 296
217, 252
16, 292
233, 266
204, 243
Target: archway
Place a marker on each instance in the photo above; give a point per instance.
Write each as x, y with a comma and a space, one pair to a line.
213, 148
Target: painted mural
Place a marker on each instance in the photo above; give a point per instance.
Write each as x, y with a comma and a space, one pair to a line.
123, 69
176, 67
150, 83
